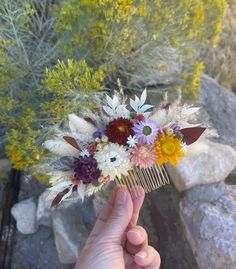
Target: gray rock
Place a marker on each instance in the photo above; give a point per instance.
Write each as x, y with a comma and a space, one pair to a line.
36, 251
220, 105
30, 186
44, 210
211, 225
209, 166
24, 213
5, 165
165, 228
71, 226
206, 193
98, 203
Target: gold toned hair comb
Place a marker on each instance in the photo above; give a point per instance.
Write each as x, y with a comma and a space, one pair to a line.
149, 178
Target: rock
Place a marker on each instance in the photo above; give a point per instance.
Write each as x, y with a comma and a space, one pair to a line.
220, 105
36, 251
24, 213
5, 165
71, 226
30, 186
206, 193
165, 228
98, 203
231, 179
210, 225
44, 210
212, 165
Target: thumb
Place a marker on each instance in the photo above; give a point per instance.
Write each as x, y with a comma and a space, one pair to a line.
120, 216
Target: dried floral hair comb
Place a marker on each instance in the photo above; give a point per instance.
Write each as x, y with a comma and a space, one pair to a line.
128, 147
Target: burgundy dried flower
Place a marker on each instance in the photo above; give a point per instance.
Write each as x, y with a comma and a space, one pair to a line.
86, 169
118, 130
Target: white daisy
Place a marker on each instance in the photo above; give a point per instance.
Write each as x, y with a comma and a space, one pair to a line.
132, 141
113, 160
84, 153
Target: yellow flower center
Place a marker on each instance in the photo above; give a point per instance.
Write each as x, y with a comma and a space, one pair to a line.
168, 148
121, 128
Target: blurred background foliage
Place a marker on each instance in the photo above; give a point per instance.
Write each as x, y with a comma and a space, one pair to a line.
220, 62
58, 57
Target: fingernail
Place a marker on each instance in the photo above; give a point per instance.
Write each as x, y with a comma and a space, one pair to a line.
121, 197
142, 254
134, 235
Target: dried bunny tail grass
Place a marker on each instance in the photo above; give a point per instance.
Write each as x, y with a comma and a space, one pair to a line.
148, 178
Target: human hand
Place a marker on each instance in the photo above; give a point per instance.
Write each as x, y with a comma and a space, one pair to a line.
116, 242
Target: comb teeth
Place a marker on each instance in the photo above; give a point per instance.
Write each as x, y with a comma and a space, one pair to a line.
148, 178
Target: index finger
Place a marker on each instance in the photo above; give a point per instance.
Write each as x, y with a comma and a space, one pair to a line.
137, 194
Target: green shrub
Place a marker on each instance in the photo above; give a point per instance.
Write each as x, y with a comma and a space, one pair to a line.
54, 59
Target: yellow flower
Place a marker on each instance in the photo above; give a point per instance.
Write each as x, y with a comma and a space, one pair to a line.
168, 149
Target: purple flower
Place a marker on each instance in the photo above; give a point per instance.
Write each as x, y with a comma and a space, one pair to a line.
146, 131
86, 169
175, 127
99, 133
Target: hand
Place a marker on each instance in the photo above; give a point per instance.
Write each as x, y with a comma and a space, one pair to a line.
116, 242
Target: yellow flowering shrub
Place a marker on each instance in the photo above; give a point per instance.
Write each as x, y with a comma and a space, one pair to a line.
104, 28
220, 62
192, 81
134, 37
55, 59
68, 87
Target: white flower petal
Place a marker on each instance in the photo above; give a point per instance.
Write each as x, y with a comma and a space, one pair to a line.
108, 110
60, 187
68, 194
145, 107
122, 111
146, 114
109, 100
143, 97
80, 125
81, 190
61, 148
115, 101
134, 105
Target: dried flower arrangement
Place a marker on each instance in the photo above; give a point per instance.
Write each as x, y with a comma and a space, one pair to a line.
107, 145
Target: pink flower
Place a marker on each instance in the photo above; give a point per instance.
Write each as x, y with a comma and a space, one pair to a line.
143, 156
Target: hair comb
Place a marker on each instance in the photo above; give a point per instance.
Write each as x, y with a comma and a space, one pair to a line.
148, 178
121, 144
